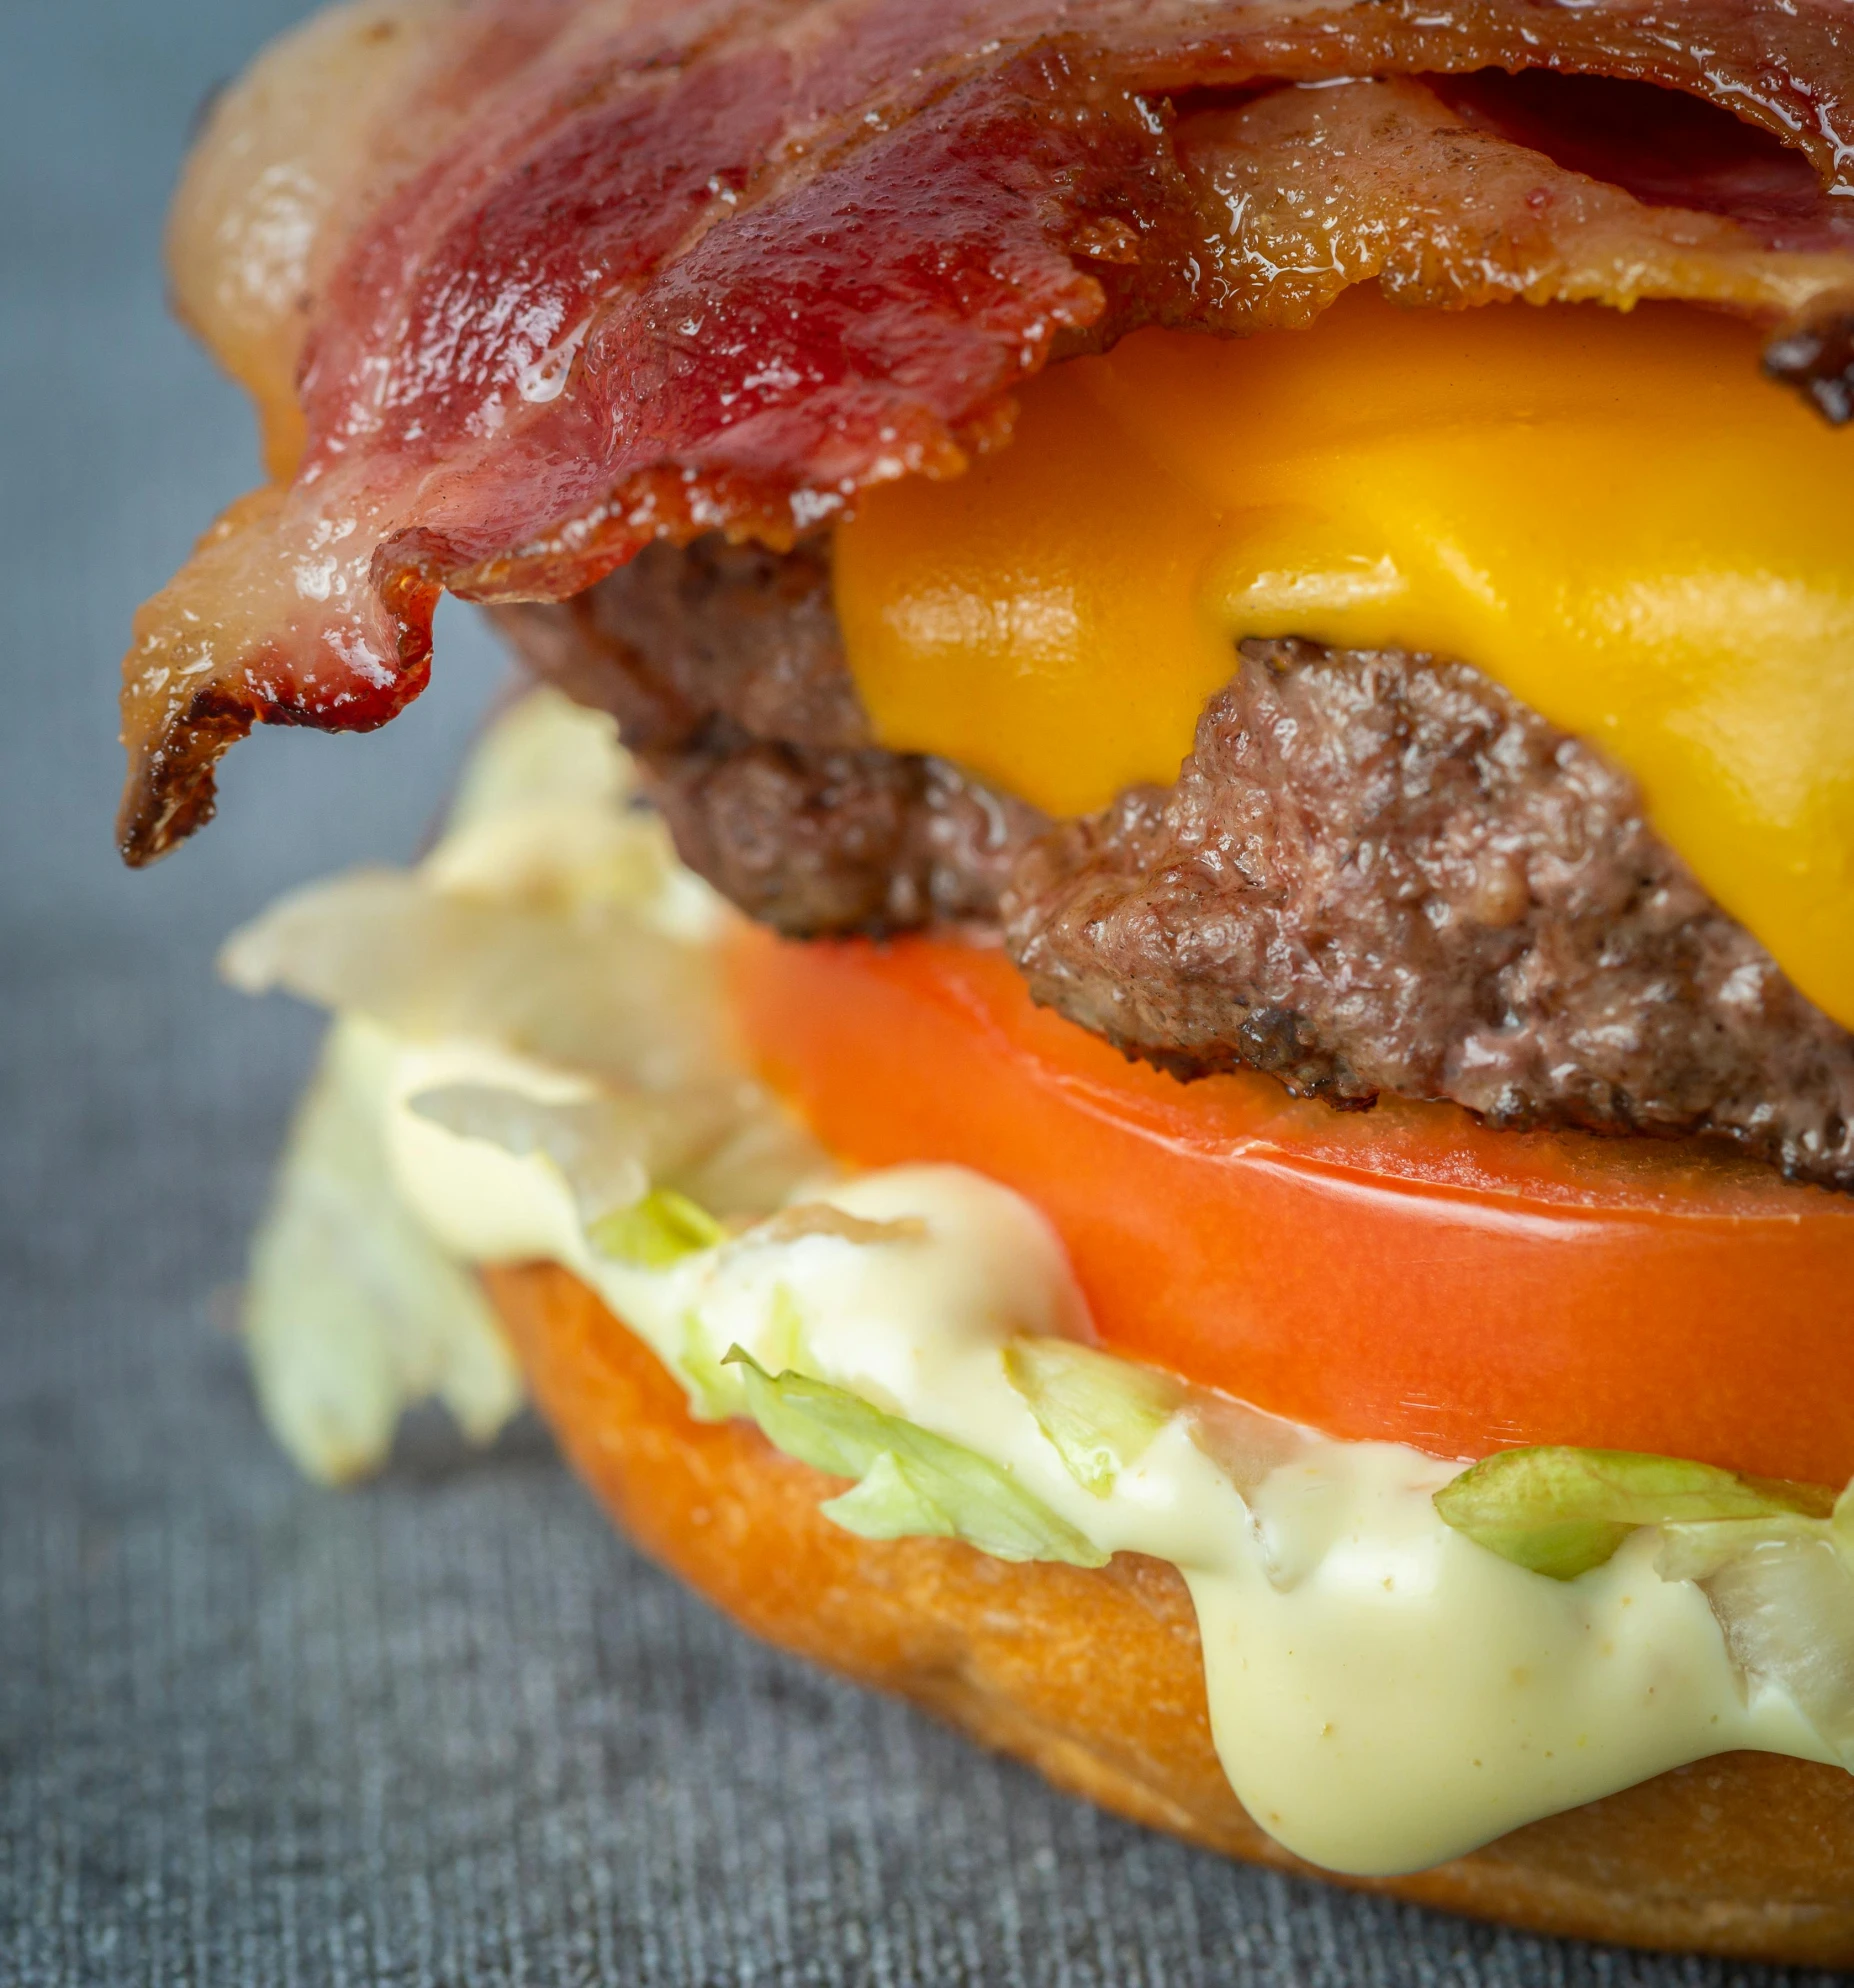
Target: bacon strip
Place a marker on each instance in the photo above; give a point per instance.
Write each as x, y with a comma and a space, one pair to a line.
613, 270
1314, 190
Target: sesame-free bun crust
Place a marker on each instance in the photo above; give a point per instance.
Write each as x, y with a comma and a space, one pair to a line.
1095, 1678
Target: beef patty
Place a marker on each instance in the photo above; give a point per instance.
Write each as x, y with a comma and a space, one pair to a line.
723, 666
1376, 871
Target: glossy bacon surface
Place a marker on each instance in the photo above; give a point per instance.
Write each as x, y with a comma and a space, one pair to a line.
521, 284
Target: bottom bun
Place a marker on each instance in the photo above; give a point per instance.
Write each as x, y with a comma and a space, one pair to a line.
1095, 1678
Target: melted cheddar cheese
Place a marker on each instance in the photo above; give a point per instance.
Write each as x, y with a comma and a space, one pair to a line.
1615, 517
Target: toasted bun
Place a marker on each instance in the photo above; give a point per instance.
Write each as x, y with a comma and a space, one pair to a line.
1095, 1678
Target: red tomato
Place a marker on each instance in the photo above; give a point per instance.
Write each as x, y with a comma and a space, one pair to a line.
1403, 1273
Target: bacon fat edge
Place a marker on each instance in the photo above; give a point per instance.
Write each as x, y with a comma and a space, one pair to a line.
558, 277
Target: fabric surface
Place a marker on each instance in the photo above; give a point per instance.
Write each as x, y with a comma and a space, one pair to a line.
445, 1729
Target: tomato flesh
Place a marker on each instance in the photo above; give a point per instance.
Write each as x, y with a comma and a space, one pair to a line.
1405, 1273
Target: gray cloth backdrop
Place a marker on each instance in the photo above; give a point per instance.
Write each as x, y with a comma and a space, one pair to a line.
446, 1729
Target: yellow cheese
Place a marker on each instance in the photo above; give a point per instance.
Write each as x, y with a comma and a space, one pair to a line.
1616, 517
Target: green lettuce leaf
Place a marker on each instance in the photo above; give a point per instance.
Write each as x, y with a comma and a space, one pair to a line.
714, 1391
1786, 1607
1101, 1413
1774, 1560
1561, 1511
714, 1387
910, 1482
353, 1311
652, 1233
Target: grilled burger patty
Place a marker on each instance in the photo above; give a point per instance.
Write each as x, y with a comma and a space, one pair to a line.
1376, 871
723, 666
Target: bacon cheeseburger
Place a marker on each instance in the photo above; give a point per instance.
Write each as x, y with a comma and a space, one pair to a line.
1209, 1122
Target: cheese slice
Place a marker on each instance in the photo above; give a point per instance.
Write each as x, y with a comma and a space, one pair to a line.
1614, 516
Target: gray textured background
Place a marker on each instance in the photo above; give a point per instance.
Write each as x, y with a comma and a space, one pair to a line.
445, 1730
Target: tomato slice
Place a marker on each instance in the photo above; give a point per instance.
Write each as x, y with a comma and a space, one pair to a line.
1405, 1273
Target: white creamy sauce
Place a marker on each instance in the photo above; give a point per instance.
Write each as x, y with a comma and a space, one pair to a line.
1384, 1693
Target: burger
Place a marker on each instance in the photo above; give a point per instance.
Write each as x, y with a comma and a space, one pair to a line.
1145, 1026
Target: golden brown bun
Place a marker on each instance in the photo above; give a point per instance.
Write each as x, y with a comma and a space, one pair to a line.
1095, 1678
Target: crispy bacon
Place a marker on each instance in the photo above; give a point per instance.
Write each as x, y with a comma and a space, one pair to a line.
1314, 190
524, 284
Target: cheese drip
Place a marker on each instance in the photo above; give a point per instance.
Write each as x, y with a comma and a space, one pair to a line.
1615, 517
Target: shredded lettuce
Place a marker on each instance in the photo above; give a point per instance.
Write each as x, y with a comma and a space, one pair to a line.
1786, 1607
820, 1218
551, 921
910, 1482
1696, 1551
715, 1389
605, 1157
352, 1311
588, 988
1100, 1412
1562, 1511
656, 1230
1774, 1560
724, 1144
545, 811
1245, 1444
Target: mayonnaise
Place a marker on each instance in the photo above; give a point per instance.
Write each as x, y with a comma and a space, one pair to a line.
1384, 1693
